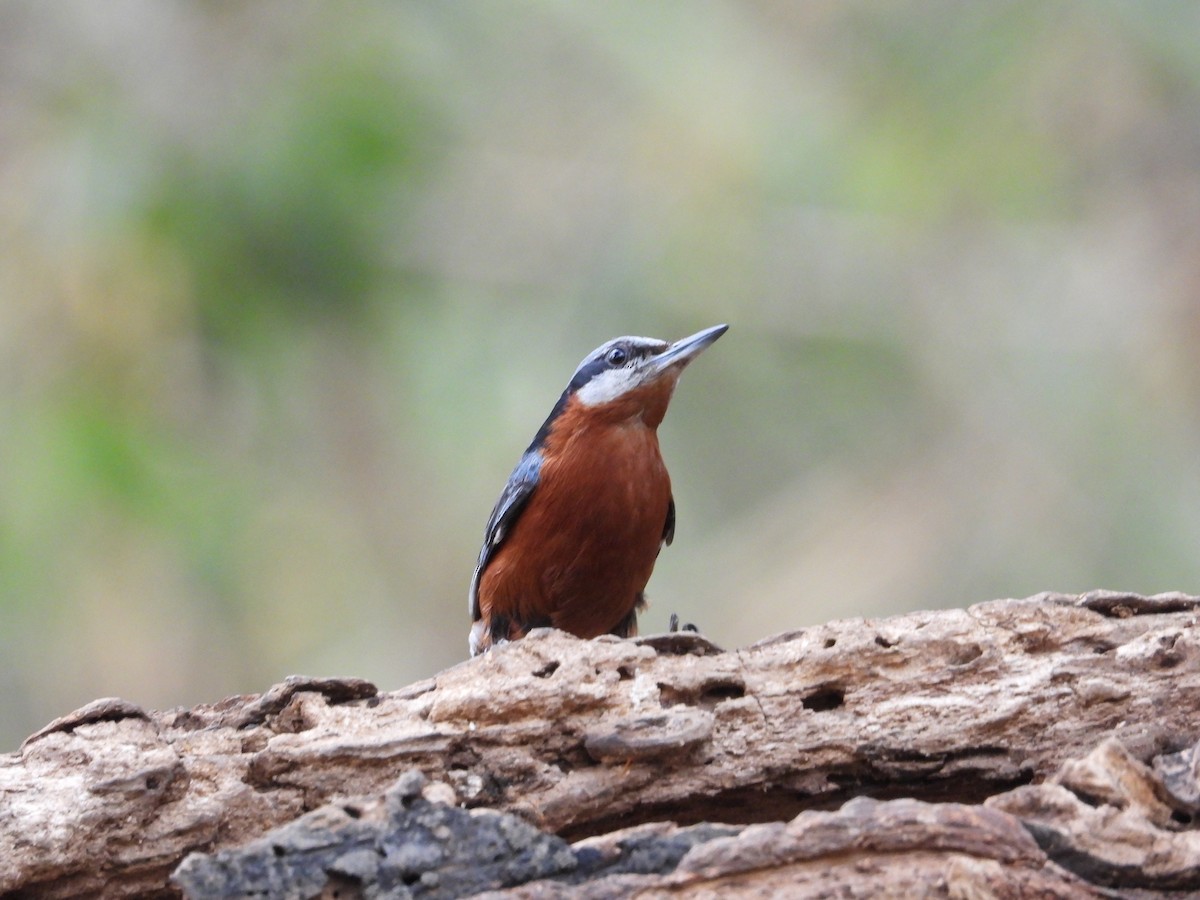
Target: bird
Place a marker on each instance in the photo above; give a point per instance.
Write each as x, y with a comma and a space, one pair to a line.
573, 539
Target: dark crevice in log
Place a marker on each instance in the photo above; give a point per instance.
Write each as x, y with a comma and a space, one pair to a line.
1121, 605
778, 803
735, 807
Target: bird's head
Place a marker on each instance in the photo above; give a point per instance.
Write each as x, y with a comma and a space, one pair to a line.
635, 376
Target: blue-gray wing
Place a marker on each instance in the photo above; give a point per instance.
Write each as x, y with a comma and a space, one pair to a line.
521, 484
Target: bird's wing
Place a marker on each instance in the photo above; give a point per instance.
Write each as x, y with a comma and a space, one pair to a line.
669, 525
521, 484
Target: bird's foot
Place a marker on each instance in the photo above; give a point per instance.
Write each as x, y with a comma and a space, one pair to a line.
674, 625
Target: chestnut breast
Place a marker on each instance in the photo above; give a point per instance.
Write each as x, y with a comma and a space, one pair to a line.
583, 549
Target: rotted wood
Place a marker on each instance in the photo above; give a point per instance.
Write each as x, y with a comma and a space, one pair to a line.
1026, 747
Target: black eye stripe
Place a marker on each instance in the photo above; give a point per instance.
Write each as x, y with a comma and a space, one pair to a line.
597, 362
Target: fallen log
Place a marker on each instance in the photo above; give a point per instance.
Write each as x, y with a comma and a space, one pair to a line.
1041, 746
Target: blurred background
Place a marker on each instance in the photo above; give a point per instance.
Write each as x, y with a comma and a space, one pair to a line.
287, 287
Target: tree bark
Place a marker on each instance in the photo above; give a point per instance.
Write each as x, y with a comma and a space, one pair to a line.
1040, 747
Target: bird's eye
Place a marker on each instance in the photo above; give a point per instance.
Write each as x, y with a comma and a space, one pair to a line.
616, 356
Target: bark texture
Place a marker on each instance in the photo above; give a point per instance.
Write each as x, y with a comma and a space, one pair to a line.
1023, 748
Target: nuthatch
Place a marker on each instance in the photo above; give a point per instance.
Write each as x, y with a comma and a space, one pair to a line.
574, 536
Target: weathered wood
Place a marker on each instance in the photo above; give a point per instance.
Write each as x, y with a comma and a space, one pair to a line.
408, 844
586, 738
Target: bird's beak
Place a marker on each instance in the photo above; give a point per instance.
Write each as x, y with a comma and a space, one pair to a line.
684, 350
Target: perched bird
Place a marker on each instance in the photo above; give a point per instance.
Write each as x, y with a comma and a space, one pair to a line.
573, 538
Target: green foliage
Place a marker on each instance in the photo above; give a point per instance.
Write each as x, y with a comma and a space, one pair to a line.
291, 215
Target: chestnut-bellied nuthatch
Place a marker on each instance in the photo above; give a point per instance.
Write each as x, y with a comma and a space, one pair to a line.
574, 536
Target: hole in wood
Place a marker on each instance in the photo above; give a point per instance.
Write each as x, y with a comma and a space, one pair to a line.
625, 673
668, 696
547, 670
708, 694
967, 653
824, 699
1090, 799
719, 691
830, 642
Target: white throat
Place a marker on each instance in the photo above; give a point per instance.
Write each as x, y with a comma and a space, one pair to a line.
609, 385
